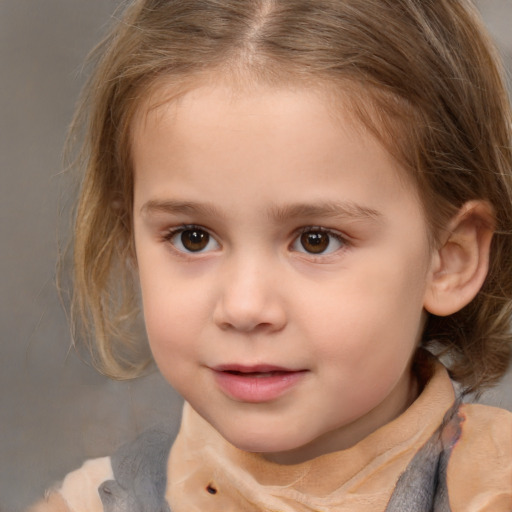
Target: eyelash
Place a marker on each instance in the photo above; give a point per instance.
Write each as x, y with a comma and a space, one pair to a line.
342, 240
179, 229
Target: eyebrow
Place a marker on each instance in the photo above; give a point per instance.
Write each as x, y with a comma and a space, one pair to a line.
329, 209
279, 213
187, 207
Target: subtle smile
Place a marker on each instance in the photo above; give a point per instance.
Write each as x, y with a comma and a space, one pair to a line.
256, 384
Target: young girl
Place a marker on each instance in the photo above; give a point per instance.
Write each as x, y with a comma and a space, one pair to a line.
312, 196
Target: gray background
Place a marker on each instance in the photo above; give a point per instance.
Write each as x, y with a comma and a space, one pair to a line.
54, 409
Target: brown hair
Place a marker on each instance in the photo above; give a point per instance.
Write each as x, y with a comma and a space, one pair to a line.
422, 75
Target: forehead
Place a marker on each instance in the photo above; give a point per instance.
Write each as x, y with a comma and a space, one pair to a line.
222, 129
368, 110
227, 101
247, 112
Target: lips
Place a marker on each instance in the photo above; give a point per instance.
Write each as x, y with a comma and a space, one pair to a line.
256, 384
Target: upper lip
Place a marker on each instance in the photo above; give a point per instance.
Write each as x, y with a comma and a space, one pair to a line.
257, 368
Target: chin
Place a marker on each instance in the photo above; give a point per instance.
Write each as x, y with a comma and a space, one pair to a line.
266, 442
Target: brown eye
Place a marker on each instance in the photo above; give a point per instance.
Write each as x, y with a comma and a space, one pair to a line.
191, 239
194, 240
315, 242
318, 241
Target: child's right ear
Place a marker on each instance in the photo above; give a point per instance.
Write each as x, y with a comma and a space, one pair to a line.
461, 263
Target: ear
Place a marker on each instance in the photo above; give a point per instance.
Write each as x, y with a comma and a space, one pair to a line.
460, 264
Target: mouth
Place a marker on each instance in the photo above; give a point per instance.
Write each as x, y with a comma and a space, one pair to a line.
258, 383
258, 375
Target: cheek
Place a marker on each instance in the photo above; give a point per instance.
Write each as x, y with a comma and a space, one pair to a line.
168, 320
170, 334
371, 316
171, 315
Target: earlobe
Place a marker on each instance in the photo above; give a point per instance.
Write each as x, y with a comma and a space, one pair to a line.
460, 265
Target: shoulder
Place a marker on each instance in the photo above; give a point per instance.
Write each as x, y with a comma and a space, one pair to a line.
136, 473
479, 473
78, 492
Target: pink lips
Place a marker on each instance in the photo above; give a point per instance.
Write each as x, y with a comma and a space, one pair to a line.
255, 384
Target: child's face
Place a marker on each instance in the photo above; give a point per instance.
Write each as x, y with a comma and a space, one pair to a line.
283, 264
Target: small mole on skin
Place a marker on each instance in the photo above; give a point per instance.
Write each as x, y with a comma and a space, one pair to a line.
211, 489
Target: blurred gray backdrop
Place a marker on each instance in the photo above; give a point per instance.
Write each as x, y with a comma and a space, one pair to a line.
54, 409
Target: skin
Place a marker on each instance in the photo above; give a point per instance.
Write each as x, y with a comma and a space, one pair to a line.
252, 170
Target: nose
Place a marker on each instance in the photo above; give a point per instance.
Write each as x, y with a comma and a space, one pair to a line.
250, 298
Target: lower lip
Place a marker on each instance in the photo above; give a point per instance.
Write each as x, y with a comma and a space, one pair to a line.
257, 389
